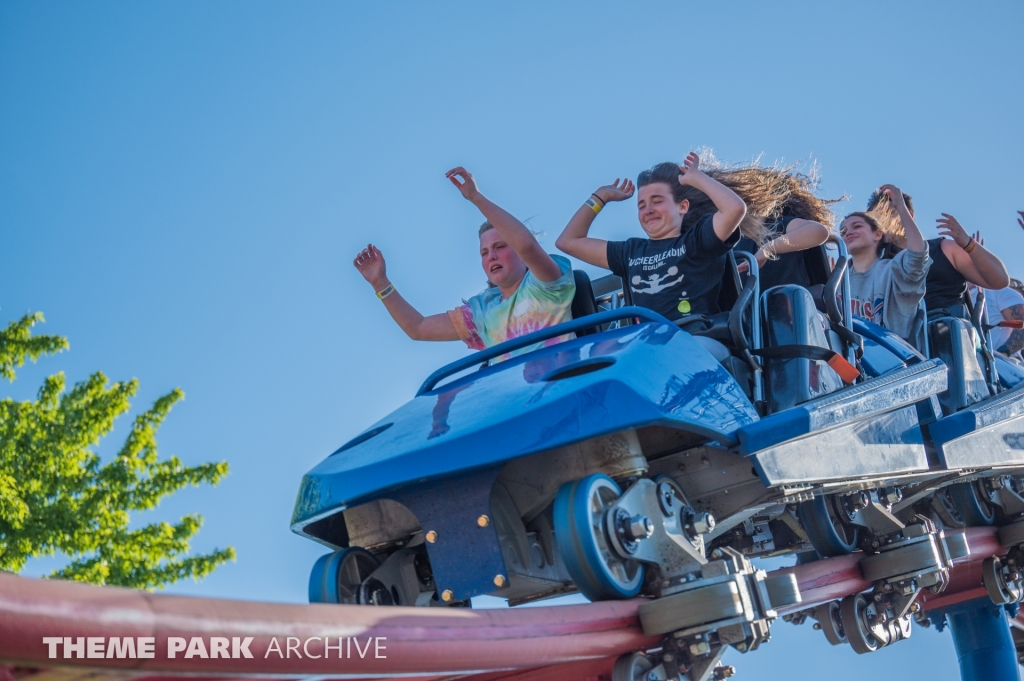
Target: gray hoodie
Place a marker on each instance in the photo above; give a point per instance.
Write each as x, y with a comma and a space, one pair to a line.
890, 291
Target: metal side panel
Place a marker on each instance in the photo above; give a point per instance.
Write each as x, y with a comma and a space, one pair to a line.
465, 554
879, 447
870, 400
989, 433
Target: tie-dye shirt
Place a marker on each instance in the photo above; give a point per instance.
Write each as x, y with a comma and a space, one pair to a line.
486, 319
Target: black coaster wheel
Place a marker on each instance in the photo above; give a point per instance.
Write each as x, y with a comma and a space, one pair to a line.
1001, 590
632, 667
338, 577
831, 622
701, 605
973, 502
854, 612
828, 526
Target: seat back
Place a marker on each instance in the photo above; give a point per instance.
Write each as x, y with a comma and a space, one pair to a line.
951, 340
729, 292
818, 267
790, 317
583, 302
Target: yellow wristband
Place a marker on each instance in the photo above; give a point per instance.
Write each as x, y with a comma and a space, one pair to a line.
594, 206
388, 290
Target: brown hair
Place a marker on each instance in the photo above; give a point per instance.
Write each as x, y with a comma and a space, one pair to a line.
769, 192
484, 227
884, 249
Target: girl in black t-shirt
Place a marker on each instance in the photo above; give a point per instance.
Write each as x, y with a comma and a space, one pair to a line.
673, 271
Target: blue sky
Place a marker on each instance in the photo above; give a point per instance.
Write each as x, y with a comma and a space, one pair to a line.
183, 187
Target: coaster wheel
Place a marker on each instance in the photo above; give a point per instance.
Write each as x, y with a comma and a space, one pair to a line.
973, 503
675, 486
1000, 590
854, 612
598, 571
673, 500
632, 667
831, 622
703, 604
828, 526
338, 577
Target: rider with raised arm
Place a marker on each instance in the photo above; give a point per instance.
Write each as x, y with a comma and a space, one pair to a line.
675, 271
528, 289
957, 259
886, 291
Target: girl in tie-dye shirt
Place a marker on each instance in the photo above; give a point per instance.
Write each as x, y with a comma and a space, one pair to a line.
529, 289
490, 318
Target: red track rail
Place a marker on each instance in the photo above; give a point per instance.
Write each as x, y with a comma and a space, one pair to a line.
524, 644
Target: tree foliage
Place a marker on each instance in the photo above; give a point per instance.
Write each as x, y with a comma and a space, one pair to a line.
56, 495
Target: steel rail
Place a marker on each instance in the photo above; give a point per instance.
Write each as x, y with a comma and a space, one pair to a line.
525, 644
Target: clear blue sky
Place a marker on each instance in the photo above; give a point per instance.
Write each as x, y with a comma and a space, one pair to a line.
183, 187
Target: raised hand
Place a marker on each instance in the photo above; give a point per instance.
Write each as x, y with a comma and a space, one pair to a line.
948, 226
370, 263
895, 197
464, 182
690, 169
616, 191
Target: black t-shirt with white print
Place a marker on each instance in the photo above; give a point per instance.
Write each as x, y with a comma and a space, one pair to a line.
674, 277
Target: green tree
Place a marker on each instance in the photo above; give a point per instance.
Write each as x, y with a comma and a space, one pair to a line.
56, 496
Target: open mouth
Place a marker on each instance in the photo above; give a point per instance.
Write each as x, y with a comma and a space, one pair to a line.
495, 268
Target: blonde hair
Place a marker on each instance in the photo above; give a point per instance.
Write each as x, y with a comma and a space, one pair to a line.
881, 209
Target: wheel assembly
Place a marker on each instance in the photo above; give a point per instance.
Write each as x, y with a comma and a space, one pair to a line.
830, 622
667, 485
1002, 584
973, 503
855, 613
581, 521
339, 578
828, 526
871, 623
635, 667
698, 605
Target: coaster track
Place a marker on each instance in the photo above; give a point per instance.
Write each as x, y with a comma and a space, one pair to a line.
525, 644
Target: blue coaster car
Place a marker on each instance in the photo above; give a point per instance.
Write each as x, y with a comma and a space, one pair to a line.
647, 457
